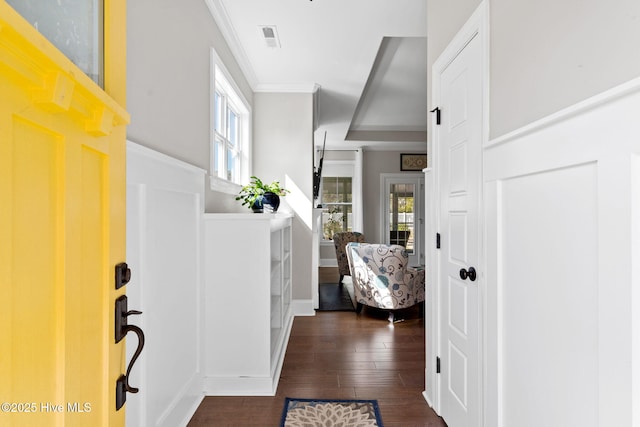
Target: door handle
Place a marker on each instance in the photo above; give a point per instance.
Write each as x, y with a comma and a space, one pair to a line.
471, 274
122, 328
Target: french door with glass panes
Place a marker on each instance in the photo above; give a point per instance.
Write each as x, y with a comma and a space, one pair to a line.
403, 213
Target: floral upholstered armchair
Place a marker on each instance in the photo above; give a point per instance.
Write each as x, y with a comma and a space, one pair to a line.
382, 278
340, 241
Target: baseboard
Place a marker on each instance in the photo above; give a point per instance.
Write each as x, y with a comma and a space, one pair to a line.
181, 410
426, 397
239, 386
191, 412
303, 307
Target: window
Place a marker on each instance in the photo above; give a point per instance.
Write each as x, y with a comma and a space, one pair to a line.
340, 194
76, 28
230, 132
337, 198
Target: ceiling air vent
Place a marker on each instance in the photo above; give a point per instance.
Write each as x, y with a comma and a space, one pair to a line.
270, 35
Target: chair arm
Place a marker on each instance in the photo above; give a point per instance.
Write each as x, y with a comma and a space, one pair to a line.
416, 274
415, 279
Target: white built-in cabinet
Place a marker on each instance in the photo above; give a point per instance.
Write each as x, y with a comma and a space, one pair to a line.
247, 291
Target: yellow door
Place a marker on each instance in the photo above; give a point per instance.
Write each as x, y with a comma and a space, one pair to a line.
62, 227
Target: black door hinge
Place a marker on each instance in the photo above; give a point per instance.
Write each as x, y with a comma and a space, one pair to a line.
437, 111
437, 240
437, 365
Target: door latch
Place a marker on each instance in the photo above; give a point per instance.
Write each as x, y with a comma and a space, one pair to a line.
122, 328
123, 274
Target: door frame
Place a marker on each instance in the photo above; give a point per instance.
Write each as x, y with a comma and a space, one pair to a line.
476, 26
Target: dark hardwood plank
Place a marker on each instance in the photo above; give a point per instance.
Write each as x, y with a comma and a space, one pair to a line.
341, 355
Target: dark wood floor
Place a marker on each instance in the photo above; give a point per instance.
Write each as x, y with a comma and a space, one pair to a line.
341, 355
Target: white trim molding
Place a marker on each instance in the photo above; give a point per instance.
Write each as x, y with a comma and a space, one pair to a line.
224, 186
286, 88
432, 259
302, 307
220, 16
582, 107
476, 26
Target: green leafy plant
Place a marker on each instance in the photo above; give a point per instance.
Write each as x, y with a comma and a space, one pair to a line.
249, 193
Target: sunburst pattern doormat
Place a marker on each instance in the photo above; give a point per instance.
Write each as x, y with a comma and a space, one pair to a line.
330, 413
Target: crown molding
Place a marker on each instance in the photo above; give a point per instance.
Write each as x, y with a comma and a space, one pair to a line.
221, 18
287, 88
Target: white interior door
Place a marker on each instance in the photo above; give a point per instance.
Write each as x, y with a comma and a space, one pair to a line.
459, 144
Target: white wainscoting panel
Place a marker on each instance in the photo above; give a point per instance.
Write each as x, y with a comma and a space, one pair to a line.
562, 240
635, 285
550, 305
164, 250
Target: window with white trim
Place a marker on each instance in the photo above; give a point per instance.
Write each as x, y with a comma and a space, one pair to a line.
230, 134
337, 198
337, 204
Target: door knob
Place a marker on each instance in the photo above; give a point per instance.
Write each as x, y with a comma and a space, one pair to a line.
471, 274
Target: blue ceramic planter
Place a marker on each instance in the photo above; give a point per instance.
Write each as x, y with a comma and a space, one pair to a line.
270, 202
258, 205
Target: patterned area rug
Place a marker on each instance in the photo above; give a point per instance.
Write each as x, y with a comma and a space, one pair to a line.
330, 413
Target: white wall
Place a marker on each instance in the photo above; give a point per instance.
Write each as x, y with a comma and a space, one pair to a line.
443, 22
283, 150
376, 163
547, 55
168, 81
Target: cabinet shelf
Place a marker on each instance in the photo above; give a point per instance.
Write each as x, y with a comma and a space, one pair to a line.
245, 358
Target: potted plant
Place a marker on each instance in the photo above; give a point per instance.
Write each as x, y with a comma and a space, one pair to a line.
333, 224
259, 196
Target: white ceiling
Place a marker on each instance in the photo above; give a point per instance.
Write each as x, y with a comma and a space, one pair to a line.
368, 58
